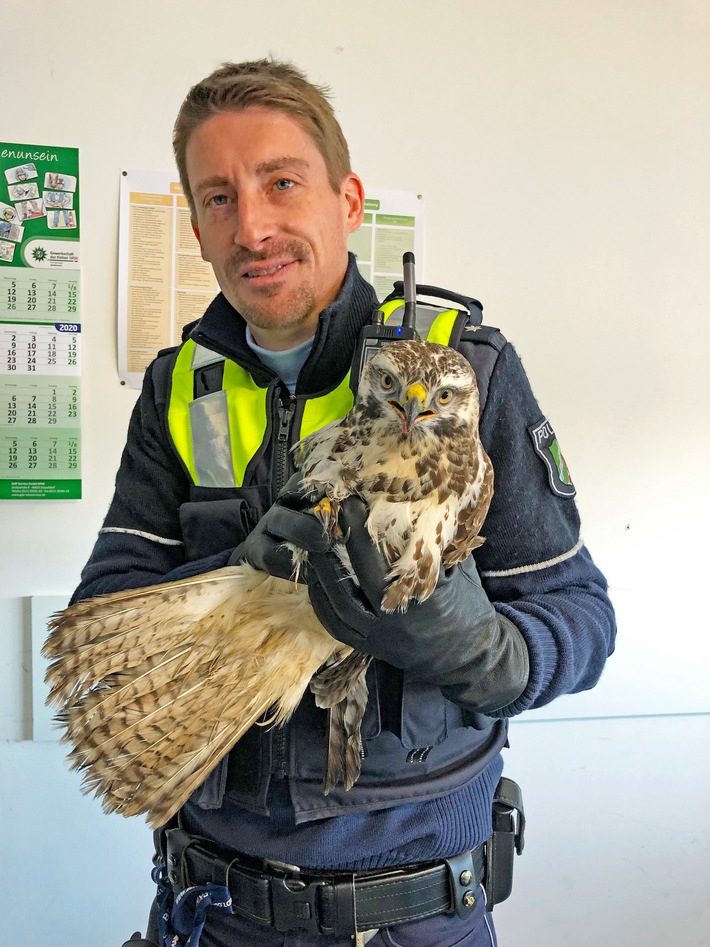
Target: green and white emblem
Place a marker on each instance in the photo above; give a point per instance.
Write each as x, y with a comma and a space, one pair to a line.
546, 446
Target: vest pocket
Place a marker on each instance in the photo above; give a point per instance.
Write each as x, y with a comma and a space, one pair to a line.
414, 711
424, 710
211, 526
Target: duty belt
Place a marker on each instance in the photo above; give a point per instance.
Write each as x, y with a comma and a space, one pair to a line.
287, 897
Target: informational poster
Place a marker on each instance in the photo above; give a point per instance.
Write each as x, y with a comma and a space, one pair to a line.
40, 323
164, 284
393, 225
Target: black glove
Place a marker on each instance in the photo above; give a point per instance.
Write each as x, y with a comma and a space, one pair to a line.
287, 520
454, 639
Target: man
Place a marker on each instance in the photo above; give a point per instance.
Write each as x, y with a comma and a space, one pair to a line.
266, 170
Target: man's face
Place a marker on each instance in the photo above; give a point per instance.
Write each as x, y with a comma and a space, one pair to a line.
269, 222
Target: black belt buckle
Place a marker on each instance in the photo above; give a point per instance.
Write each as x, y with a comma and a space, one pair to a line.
294, 901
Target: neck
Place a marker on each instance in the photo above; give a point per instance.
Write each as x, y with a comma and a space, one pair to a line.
284, 338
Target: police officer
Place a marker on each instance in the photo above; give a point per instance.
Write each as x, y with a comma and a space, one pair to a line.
259, 855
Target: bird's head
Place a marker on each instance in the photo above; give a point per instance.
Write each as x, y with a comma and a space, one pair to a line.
419, 389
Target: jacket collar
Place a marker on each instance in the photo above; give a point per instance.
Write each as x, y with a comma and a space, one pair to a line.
223, 329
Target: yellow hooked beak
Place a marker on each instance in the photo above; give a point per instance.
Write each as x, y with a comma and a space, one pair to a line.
413, 408
416, 391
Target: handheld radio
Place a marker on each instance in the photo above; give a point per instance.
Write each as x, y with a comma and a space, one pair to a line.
383, 330
379, 334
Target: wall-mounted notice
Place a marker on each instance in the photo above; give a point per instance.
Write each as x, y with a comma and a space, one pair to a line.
40, 323
164, 284
393, 225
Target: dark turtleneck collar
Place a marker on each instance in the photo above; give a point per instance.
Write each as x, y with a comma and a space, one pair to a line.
223, 329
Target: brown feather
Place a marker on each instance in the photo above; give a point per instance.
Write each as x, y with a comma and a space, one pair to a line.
145, 736
341, 689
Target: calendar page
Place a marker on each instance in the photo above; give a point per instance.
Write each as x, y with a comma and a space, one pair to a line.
40, 323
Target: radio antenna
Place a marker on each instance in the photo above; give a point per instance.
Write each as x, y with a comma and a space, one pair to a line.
410, 291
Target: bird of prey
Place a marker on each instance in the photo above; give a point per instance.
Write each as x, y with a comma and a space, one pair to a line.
155, 685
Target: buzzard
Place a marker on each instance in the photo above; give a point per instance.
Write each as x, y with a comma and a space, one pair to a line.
155, 685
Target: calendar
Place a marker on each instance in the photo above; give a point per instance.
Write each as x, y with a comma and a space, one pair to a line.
38, 297
30, 349
40, 324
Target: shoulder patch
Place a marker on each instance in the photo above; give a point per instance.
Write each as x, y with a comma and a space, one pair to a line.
546, 446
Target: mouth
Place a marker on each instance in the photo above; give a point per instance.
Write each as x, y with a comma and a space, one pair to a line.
264, 272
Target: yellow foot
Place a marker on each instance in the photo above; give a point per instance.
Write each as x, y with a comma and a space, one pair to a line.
327, 512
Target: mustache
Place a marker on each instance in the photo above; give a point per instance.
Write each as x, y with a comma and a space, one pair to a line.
242, 258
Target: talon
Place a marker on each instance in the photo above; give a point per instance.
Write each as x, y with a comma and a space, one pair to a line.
324, 509
327, 512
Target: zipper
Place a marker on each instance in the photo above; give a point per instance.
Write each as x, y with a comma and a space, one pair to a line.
278, 753
286, 411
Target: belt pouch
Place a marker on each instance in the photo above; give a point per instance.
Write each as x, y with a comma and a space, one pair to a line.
507, 837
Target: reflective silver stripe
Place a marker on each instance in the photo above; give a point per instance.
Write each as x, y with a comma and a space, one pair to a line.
211, 441
535, 566
202, 356
143, 535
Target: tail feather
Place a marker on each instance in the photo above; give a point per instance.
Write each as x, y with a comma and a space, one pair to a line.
72, 677
341, 687
331, 684
149, 706
104, 616
345, 748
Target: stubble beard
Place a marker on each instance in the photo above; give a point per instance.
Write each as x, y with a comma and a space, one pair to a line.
289, 308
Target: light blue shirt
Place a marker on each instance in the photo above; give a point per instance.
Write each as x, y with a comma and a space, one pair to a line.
287, 364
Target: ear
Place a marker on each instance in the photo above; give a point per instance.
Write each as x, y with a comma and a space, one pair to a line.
353, 194
196, 231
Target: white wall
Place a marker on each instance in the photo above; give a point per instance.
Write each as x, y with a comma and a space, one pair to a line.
563, 149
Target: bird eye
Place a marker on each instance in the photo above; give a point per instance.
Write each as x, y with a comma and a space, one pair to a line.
387, 381
445, 396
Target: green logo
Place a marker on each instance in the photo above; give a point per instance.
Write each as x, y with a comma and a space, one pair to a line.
547, 448
39, 254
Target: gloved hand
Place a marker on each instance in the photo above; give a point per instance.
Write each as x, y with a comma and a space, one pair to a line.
287, 520
454, 639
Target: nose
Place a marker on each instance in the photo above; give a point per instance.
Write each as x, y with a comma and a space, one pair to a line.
255, 220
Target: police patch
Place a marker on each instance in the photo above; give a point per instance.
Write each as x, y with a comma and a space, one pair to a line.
546, 446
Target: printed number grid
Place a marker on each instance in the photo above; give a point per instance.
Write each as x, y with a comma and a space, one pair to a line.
39, 428
50, 404
29, 296
41, 455
40, 350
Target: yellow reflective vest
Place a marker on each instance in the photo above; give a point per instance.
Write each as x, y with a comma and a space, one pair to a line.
219, 432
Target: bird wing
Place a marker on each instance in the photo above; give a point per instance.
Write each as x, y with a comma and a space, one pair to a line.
470, 518
157, 685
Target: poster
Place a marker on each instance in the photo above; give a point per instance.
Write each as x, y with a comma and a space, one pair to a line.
40, 323
164, 284
393, 225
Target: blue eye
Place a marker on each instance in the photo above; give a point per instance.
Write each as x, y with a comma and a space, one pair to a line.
283, 184
220, 200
